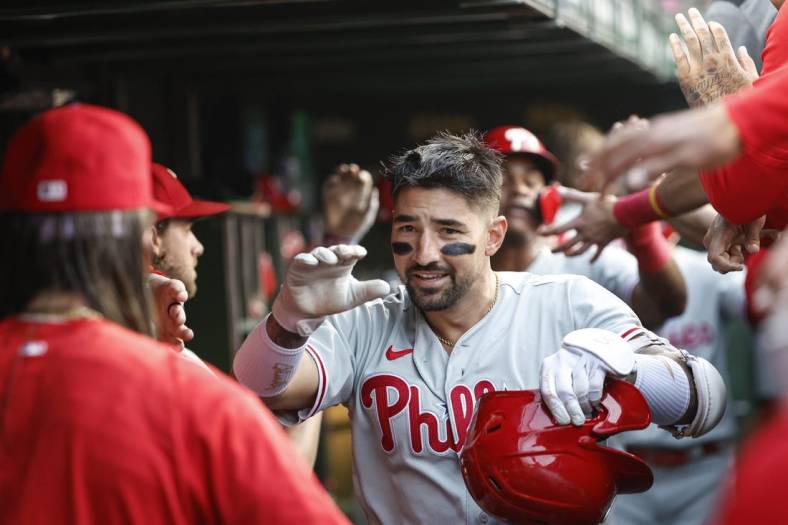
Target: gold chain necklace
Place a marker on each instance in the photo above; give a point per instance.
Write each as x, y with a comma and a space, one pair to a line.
450, 344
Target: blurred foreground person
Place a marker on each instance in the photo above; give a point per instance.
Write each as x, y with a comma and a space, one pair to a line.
758, 493
101, 424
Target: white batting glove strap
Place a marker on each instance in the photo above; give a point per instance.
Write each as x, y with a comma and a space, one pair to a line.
263, 366
605, 345
318, 284
572, 379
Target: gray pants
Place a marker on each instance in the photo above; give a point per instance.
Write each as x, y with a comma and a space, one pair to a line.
685, 495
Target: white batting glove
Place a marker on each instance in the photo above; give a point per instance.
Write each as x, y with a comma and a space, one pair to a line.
573, 378
319, 283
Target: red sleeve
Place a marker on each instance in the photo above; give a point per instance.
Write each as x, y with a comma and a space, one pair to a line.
244, 468
775, 51
745, 189
761, 116
756, 181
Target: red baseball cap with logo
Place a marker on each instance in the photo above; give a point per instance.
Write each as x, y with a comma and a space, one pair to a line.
169, 190
78, 158
516, 140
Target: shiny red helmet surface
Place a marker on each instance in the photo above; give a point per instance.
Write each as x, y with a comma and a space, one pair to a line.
516, 140
519, 465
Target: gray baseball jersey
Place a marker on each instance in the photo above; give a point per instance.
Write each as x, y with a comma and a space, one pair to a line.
712, 300
410, 402
616, 269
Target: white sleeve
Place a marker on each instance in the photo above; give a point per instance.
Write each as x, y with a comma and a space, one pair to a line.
616, 270
333, 355
592, 306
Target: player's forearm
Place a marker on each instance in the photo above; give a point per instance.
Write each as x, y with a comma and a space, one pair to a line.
282, 337
270, 363
679, 192
678, 375
661, 292
306, 437
685, 393
660, 295
693, 226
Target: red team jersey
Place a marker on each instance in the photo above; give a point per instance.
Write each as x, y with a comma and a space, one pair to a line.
102, 425
758, 494
756, 183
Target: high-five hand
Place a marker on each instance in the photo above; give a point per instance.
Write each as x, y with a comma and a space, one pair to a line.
320, 283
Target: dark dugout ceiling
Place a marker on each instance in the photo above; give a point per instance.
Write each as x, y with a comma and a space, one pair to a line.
393, 44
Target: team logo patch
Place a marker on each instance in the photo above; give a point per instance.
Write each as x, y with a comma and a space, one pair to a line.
52, 190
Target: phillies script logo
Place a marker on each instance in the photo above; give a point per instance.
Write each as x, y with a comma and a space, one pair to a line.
392, 395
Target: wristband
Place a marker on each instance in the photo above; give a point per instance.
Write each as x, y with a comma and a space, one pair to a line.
263, 366
649, 247
656, 203
636, 209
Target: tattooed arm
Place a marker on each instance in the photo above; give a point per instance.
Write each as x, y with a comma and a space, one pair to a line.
710, 69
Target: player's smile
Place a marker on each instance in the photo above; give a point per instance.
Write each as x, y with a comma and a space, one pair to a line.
429, 282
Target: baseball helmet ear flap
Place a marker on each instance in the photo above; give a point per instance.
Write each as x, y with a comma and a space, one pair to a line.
519, 465
547, 205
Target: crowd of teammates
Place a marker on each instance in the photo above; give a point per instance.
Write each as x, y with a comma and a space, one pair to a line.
508, 282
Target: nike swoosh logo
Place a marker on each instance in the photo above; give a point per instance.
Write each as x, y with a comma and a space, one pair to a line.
392, 354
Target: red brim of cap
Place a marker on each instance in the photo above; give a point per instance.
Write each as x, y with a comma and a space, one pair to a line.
199, 208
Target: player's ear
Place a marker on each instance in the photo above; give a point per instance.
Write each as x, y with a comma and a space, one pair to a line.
495, 234
153, 241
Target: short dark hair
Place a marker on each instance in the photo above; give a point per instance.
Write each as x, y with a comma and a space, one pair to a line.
97, 255
460, 163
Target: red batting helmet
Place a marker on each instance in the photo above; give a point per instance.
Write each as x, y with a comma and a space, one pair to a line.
520, 466
516, 140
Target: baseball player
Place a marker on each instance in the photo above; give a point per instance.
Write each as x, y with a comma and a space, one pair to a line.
689, 474
691, 469
100, 423
650, 282
410, 364
173, 247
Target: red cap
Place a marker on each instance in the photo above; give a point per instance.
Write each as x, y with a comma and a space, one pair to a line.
78, 158
511, 140
169, 190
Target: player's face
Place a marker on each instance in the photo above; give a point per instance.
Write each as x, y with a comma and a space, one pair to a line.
441, 245
522, 182
176, 251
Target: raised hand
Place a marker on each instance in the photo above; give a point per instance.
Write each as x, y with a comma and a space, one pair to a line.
694, 139
595, 226
169, 296
320, 283
710, 69
350, 203
727, 243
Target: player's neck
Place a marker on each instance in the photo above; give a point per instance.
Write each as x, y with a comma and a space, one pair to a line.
517, 257
52, 302
450, 324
